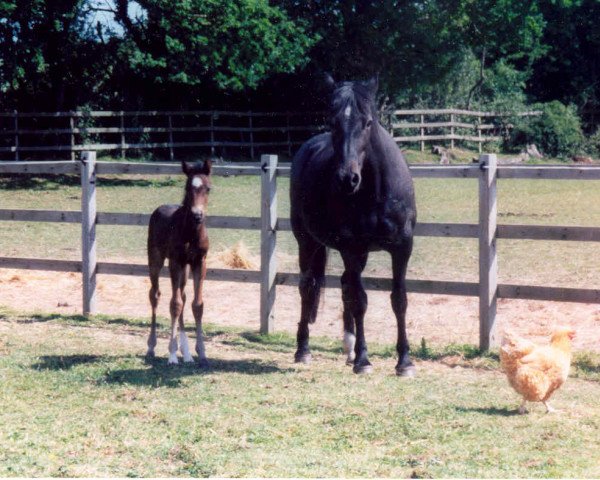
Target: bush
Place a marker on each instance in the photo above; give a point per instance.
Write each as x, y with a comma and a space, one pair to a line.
556, 132
592, 144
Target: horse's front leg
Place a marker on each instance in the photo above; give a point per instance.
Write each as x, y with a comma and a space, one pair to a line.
349, 337
404, 367
355, 305
199, 273
313, 257
175, 308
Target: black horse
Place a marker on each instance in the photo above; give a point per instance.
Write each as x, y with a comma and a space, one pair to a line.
351, 190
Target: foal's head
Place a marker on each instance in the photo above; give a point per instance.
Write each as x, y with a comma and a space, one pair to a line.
197, 188
351, 118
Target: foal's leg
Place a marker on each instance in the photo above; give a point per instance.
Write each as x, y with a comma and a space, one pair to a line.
155, 263
175, 307
183, 340
404, 367
355, 305
199, 272
313, 257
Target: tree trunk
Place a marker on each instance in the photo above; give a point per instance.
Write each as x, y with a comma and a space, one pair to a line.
480, 81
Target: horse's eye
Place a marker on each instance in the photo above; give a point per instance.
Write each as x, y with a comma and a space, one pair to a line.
369, 123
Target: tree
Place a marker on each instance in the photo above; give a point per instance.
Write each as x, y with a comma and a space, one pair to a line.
233, 45
406, 43
49, 57
495, 31
570, 72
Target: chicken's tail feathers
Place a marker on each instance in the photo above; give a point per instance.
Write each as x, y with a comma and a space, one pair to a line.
512, 350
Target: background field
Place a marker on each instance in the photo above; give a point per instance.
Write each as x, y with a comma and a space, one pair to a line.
439, 200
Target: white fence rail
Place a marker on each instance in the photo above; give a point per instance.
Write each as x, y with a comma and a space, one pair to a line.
487, 289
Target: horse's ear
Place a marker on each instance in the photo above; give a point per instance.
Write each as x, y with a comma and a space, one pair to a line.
207, 167
328, 81
185, 167
372, 84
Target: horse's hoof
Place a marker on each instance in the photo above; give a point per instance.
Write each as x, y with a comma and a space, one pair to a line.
203, 363
363, 369
408, 371
349, 361
305, 358
149, 357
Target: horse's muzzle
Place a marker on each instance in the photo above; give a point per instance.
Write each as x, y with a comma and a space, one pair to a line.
349, 183
198, 216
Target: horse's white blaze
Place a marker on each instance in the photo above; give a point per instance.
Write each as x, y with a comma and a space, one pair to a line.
185, 348
196, 182
348, 111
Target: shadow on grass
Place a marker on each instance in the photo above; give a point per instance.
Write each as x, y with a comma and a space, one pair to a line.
492, 411
48, 317
156, 372
43, 182
160, 374
66, 362
282, 342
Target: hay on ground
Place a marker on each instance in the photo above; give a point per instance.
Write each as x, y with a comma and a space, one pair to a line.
238, 256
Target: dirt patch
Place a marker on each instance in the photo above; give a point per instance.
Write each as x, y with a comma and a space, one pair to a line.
439, 319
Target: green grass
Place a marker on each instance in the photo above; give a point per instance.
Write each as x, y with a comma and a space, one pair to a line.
79, 400
439, 200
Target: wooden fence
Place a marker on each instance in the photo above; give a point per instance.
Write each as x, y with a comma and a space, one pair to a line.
24, 135
487, 231
451, 125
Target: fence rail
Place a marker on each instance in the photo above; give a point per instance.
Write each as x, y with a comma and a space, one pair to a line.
487, 231
218, 132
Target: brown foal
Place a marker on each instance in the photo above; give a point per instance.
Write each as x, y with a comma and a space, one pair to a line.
178, 232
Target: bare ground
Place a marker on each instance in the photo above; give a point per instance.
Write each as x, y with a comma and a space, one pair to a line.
439, 319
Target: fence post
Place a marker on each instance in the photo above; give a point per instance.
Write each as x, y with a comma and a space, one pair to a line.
171, 154
488, 259
16, 125
88, 231
422, 132
122, 123
289, 136
268, 260
251, 135
452, 131
72, 127
212, 134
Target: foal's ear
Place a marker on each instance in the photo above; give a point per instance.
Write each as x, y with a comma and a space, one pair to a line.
372, 84
185, 167
207, 167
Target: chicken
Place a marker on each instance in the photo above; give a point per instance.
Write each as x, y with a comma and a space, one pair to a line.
536, 372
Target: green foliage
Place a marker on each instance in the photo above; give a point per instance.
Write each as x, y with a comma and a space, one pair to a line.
592, 144
235, 45
128, 54
556, 132
570, 70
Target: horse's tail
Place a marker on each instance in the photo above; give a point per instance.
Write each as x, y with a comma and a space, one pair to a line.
320, 284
